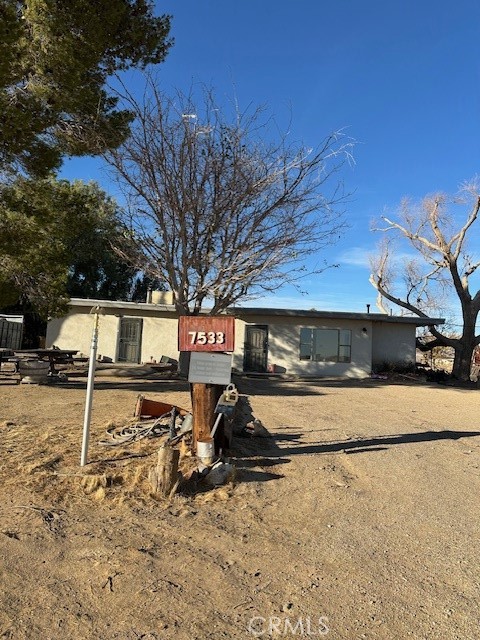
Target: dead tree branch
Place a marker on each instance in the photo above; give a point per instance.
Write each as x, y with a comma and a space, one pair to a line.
442, 272
217, 210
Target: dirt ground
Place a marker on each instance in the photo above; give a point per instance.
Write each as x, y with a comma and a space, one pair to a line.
357, 518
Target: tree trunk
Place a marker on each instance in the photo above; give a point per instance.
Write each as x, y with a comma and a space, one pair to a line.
462, 363
164, 477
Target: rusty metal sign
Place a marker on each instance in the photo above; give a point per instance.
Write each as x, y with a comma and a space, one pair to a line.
206, 333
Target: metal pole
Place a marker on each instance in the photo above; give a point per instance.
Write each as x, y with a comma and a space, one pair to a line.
90, 382
215, 426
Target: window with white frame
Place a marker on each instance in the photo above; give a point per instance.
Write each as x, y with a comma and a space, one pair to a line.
326, 345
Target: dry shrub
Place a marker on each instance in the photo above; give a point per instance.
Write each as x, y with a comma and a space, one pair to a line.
90, 484
119, 475
217, 494
48, 465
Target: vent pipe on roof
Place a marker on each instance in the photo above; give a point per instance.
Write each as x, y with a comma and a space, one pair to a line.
368, 308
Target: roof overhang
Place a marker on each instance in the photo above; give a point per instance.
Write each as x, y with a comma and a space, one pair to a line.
344, 315
119, 304
243, 312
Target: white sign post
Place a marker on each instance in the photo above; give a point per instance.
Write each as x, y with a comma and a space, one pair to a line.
90, 383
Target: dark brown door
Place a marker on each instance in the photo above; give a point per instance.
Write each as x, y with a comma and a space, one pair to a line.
130, 343
256, 348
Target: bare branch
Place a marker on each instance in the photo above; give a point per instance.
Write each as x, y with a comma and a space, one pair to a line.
459, 238
444, 266
218, 211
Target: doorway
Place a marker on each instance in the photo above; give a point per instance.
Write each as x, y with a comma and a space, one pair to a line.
130, 341
256, 348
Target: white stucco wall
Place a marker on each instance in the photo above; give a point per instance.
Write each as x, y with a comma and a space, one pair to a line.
74, 331
393, 344
284, 345
373, 342
160, 337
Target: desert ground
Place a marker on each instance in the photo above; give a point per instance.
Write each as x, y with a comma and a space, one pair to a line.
357, 516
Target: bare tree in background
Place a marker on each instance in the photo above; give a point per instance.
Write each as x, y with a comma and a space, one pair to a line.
444, 266
218, 209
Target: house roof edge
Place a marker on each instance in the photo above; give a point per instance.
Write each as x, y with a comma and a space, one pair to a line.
263, 311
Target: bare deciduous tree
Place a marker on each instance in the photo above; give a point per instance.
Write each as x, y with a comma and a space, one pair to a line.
219, 211
444, 266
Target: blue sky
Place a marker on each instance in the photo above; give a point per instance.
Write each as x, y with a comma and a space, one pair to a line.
402, 78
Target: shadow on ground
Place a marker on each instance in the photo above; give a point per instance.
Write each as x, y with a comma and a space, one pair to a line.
140, 386
371, 444
278, 386
258, 452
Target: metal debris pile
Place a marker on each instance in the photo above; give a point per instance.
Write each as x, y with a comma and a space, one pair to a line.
174, 422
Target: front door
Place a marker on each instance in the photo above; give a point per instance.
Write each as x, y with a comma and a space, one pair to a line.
256, 348
130, 342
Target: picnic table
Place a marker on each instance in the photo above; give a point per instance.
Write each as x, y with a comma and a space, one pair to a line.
53, 356
7, 356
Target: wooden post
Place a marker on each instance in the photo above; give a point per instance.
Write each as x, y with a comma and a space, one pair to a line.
204, 401
216, 336
164, 477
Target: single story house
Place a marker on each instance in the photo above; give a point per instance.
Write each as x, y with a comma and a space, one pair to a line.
303, 343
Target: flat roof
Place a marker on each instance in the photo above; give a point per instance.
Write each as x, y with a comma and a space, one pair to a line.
262, 311
346, 315
119, 304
